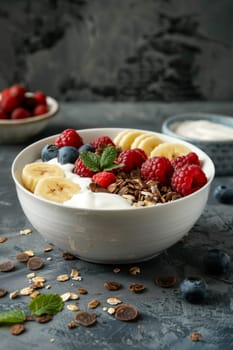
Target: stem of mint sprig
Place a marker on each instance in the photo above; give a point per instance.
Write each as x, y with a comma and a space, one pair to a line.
105, 162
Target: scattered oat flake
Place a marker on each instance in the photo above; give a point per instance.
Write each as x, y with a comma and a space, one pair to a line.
37, 285
93, 304
116, 270
48, 286
3, 292
126, 312
72, 307
7, 266
26, 231
112, 285
14, 294
85, 319
105, 308
65, 296
34, 294
44, 318
3, 239
27, 291
195, 336
134, 270
165, 281
30, 252
82, 290
114, 301
63, 278
49, 258
136, 288
17, 329
111, 310
31, 275
39, 279
48, 248
74, 274
72, 324
74, 296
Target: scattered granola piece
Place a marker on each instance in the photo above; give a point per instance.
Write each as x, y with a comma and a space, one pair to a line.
74, 296
48, 248
116, 270
134, 270
34, 294
85, 319
3, 292
44, 318
27, 291
126, 312
114, 301
82, 290
165, 281
112, 285
3, 239
136, 288
111, 310
35, 263
29, 252
37, 285
48, 286
38, 279
26, 231
93, 304
72, 324
65, 296
105, 308
68, 256
17, 329
7, 266
72, 307
195, 336
22, 257
74, 274
14, 294
63, 278
31, 275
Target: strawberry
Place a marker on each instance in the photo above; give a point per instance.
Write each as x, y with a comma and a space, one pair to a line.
104, 178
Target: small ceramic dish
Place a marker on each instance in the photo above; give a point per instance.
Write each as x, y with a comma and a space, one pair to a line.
220, 151
21, 130
123, 235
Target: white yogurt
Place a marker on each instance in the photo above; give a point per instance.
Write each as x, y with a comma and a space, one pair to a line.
87, 199
204, 130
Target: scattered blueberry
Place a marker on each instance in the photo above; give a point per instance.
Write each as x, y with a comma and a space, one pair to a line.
194, 289
49, 152
224, 194
216, 262
86, 147
67, 154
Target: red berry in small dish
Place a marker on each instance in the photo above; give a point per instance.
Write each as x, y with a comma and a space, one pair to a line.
69, 137
81, 170
131, 159
102, 140
10, 103
5, 93
29, 103
20, 113
190, 158
188, 179
40, 98
158, 169
3, 115
40, 109
104, 178
17, 91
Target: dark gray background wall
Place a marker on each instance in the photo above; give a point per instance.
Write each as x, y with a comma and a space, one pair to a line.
90, 50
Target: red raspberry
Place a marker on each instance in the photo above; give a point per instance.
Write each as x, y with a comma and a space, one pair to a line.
188, 179
69, 137
10, 103
105, 140
158, 169
20, 113
190, 158
131, 159
40, 109
40, 98
17, 91
104, 178
29, 103
3, 115
81, 170
5, 94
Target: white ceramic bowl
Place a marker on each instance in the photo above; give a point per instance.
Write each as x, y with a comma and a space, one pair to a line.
111, 236
21, 130
220, 151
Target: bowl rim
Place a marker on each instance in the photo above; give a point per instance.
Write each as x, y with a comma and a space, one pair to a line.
94, 210
53, 109
217, 118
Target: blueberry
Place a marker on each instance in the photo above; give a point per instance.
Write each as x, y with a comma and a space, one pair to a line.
224, 194
67, 154
216, 262
194, 289
86, 147
49, 152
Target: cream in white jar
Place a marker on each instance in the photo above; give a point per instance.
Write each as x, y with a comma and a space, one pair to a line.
203, 130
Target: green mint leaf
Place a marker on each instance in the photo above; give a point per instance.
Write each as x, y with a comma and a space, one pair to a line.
107, 158
46, 304
90, 160
113, 166
12, 316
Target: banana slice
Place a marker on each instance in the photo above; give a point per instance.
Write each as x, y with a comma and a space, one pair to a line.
128, 138
149, 143
169, 150
56, 189
138, 139
119, 137
33, 172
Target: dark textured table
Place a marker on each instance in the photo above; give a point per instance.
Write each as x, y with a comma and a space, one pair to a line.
166, 320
